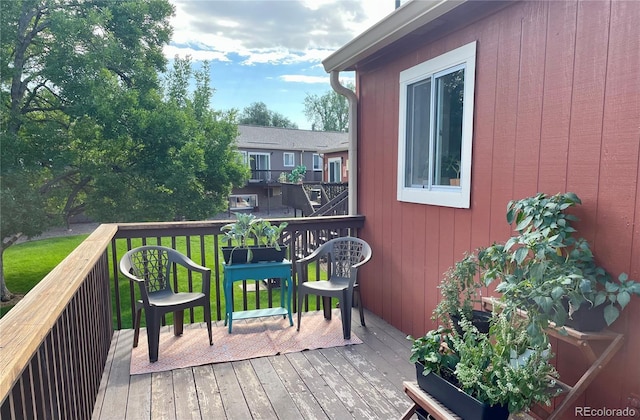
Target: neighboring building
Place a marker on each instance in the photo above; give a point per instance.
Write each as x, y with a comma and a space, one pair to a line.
273, 153
548, 96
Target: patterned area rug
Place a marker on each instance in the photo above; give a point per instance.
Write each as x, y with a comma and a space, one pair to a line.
251, 338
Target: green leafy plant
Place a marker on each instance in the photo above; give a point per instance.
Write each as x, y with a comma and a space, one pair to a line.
504, 367
239, 233
267, 234
297, 174
248, 231
488, 371
460, 288
434, 351
544, 267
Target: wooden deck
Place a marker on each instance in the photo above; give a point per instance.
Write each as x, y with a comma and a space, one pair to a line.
362, 381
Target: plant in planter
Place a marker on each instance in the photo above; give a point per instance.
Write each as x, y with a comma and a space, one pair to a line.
549, 273
489, 369
451, 166
297, 174
460, 289
267, 234
266, 237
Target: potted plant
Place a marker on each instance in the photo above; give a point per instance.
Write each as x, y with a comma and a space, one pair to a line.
480, 376
451, 165
297, 174
547, 272
253, 240
460, 288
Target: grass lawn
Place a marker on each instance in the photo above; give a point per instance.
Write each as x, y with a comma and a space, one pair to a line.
27, 263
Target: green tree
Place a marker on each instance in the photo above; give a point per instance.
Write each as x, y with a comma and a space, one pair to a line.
258, 114
328, 112
87, 128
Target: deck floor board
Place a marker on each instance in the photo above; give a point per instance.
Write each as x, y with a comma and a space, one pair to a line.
363, 381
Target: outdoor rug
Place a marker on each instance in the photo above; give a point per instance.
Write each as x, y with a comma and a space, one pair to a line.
250, 338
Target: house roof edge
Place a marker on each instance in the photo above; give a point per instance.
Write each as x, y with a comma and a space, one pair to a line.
404, 20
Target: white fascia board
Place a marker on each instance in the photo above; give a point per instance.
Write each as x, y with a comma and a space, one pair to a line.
406, 19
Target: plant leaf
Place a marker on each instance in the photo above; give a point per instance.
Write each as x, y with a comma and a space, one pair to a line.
524, 223
611, 313
623, 298
557, 292
521, 254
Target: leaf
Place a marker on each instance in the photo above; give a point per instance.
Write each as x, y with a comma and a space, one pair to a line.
599, 300
611, 287
510, 212
585, 286
524, 223
611, 313
557, 292
623, 299
521, 254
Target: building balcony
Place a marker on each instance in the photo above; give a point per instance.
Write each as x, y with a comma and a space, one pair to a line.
65, 348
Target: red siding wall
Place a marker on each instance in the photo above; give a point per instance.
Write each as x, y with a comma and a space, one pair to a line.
557, 109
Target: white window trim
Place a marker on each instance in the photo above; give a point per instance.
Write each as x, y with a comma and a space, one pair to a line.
446, 196
244, 156
284, 159
317, 168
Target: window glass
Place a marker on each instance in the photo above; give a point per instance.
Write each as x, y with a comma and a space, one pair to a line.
260, 166
449, 97
317, 162
418, 119
289, 159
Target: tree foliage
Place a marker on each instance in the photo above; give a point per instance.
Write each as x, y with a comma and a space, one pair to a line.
328, 112
258, 114
87, 126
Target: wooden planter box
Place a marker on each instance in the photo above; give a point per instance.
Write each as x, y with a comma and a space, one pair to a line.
457, 400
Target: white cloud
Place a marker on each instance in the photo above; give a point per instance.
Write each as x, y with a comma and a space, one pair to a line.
171, 51
271, 31
298, 78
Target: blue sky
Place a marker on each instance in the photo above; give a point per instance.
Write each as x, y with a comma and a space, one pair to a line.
271, 50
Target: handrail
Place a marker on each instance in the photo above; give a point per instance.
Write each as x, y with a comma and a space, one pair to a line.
46, 321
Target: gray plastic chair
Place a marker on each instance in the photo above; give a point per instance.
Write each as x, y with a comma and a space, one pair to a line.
150, 267
343, 257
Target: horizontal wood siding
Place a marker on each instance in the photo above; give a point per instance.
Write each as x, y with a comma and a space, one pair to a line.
557, 109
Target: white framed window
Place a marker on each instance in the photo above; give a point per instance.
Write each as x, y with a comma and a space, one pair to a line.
436, 129
335, 169
317, 162
289, 159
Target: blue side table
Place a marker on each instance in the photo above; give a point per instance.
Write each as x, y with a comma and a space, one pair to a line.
258, 271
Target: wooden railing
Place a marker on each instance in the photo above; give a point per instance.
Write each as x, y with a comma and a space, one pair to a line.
54, 342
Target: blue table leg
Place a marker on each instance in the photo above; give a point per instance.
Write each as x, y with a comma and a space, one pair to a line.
228, 298
289, 297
